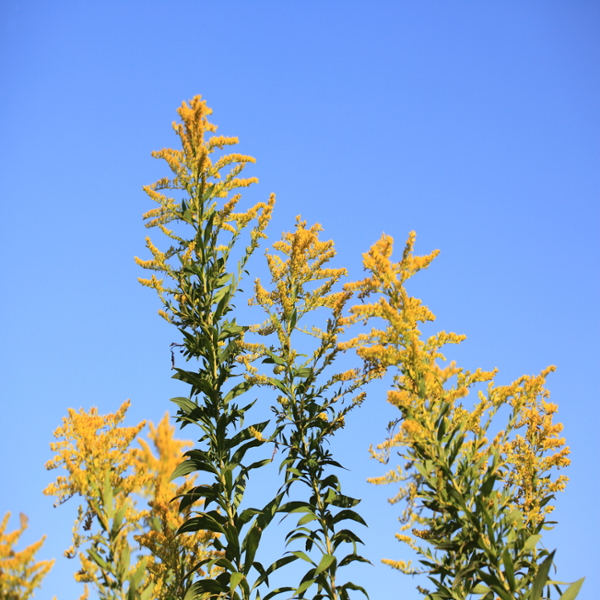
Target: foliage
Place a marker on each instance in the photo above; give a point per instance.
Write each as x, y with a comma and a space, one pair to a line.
199, 305
20, 575
476, 505
107, 473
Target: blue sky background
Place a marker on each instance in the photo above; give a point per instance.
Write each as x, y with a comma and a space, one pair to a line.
477, 124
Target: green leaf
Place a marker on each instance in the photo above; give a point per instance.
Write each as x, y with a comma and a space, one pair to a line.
293, 319
208, 492
189, 466
509, 569
250, 545
307, 519
245, 434
352, 586
350, 558
571, 592
258, 464
123, 563
515, 516
107, 497
304, 586
239, 454
269, 511
185, 404
278, 384
236, 391
303, 373
296, 506
480, 589
221, 562
264, 576
342, 501
273, 359
117, 521
345, 535
277, 592
99, 560
136, 578
205, 586
344, 515
247, 515
234, 581
325, 563
303, 556
147, 593
541, 577
203, 522
488, 486
504, 595
532, 542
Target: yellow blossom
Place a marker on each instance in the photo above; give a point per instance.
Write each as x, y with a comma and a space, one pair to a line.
20, 575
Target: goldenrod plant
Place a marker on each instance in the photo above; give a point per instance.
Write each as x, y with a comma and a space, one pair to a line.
126, 551
476, 502
310, 404
479, 464
204, 273
20, 574
99, 459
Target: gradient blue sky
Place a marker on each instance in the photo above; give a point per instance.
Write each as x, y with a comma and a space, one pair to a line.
477, 124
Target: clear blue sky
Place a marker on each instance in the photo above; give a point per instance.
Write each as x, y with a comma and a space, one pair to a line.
477, 124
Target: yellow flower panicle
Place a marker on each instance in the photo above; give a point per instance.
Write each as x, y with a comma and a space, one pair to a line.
20, 575
97, 454
300, 284
535, 454
202, 181
171, 556
93, 445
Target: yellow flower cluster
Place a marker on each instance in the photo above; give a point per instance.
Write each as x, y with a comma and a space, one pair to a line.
300, 282
20, 575
96, 451
541, 448
171, 556
92, 446
400, 565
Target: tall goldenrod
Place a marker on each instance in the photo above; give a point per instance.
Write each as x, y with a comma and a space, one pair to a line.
303, 299
475, 503
198, 282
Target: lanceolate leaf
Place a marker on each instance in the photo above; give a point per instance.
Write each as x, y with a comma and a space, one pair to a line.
573, 590
203, 522
344, 515
541, 578
326, 561
199, 589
